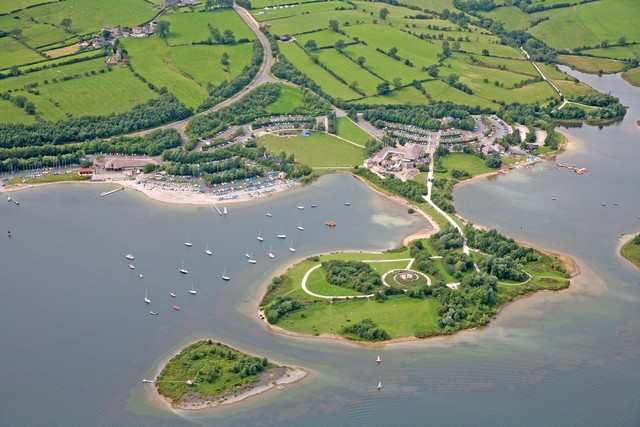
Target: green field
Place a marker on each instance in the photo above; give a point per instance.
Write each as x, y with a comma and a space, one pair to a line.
440, 91
420, 52
259, 4
590, 24
571, 90
91, 15
465, 162
10, 113
616, 52
193, 27
15, 53
323, 38
382, 65
591, 65
209, 366
318, 150
329, 84
511, 17
349, 130
14, 5
632, 76
288, 101
308, 8
315, 21
631, 250
349, 70
407, 95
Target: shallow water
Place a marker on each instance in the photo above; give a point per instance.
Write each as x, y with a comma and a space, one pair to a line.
78, 339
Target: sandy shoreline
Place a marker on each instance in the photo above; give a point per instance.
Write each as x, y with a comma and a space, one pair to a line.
163, 196
273, 379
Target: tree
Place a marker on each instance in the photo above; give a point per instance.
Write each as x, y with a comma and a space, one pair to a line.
334, 26
446, 50
455, 46
311, 45
622, 41
384, 12
340, 44
383, 88
354, 85
65, 23
485, 52
30, 108
397, 83
361, 60
16, 32
604, 44
225, 59
493, 161
228, 37
393, 52
14, 71
163, 29
432, 70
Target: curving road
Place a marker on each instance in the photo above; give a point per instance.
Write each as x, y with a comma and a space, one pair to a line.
260, 78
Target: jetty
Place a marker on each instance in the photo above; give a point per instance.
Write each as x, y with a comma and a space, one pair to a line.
106, 193
565, 165
217, 209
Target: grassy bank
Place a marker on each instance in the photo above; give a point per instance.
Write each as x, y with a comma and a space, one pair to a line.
215, 370
631, 250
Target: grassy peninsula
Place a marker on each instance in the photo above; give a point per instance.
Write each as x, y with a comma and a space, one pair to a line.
631, 250
208, 374
430, 288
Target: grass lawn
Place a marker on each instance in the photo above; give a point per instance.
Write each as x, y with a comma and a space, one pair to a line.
288, 101
419, 52
12, 52
590, 24
91, 15
632, 76
329, 84
631, 251
440, 91
591, 65
193, 26
317, 150
150, 57
50, 177
207, 365
111, 92
9, 113
382, 65
406, 95
349, 130
349, 70
466, 162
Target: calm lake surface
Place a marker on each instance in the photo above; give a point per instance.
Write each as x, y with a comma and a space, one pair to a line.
77, 337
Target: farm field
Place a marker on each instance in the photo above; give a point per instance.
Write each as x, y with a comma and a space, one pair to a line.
13, 52
318, 150
382, 65
616, 52
91, 15
349, 70
10, 113
420, 52
259, 4
440, 91
465, 162
349, 130
571, 90
406, 95
193, 27
591, 65
590, 24
15, 5
288, 101
315, 21
632, 76
323, 38
511, 17
434, 5
285, 12
329, 84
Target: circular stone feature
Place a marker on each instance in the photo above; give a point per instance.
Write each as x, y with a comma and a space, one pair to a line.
406, 279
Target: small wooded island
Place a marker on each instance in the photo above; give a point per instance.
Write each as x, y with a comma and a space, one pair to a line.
631, 250
430, 288
209, 374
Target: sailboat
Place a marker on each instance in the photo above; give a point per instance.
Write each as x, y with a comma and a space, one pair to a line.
300, 227
131, 266
208, 251
224, 210
224, 275
251, 260
378, 359
379, 385
347, 203
313, 204
246, 254
129, 257
188, 243
271, 255
259, 237
291, 248
269, 213
300, 206
153, 313
182, 269
141, 276
282, 235
192, 291
146, 298
172, 293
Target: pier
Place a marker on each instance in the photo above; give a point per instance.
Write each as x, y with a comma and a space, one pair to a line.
216, 208
576, 169
106, 193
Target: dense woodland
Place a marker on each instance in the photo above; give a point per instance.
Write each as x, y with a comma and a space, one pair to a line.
355, 275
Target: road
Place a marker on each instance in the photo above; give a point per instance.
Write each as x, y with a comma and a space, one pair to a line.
260, 78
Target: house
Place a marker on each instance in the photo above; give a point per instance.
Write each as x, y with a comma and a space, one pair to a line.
97, 42
122, 164
110, 62
83, 44
85, 171
282, 175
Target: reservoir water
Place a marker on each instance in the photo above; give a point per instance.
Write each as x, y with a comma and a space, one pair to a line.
77, 337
